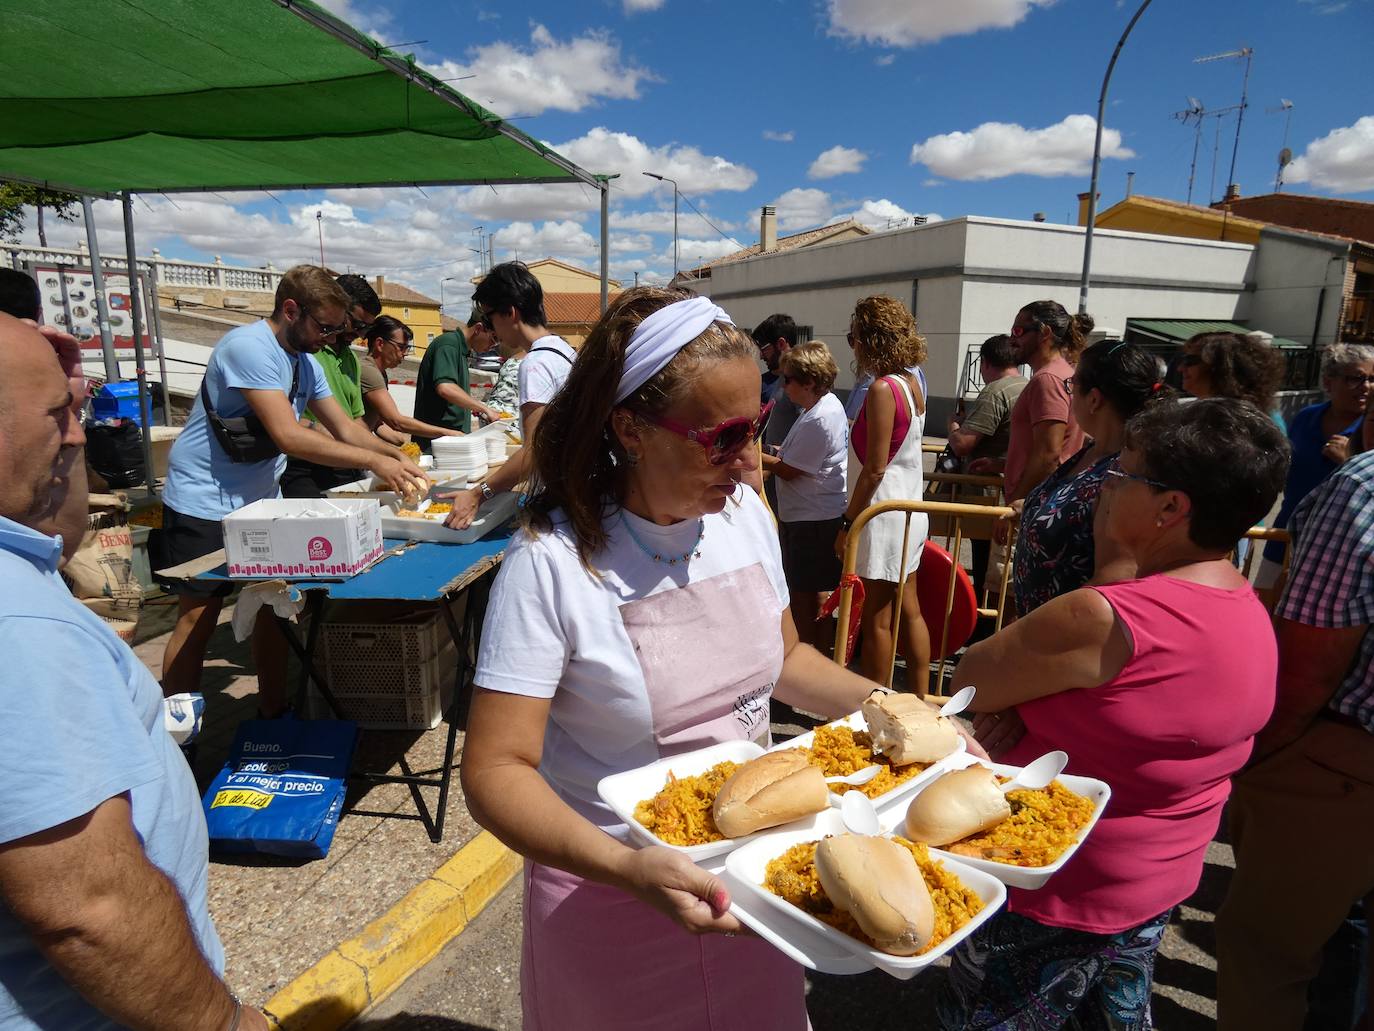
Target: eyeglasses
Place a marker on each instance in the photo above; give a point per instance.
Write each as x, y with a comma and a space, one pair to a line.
1115, 474
1020, 331
1356, 380
401, 345
721, 443
326, 331
764, 346
360, 327
485, 320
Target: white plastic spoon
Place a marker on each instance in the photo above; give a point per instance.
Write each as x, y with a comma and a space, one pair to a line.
1038, 774
859, 815
962, 699
856, 779
423, 506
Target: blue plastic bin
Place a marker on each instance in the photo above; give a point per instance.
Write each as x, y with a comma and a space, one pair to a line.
117, 401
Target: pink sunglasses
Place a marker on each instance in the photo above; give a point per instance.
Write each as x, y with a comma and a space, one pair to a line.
723, 442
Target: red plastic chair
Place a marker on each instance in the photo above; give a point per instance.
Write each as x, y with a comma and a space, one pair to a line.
932, 587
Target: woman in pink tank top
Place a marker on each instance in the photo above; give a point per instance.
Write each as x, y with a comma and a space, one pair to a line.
1155, 685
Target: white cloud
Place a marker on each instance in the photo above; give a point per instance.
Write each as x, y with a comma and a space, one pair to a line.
836, 161
803, 207
692, 253
906, 23
778, 136
606, 152
376, 22
1342, 161
884, 60
661, 221
635, 6
566, 240
528, 202
631, 243
997, 149
880, 214
549, 74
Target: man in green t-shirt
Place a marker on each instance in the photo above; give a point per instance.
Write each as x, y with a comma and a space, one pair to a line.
442, 385
340, 364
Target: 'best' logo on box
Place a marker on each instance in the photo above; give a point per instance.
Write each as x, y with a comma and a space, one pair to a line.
318, 549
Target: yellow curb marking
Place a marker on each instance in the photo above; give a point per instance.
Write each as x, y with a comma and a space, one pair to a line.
363, 971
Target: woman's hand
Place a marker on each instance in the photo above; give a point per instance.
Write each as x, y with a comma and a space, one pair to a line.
1337, 449
1003, 528
680, 890
841, 539
998, 732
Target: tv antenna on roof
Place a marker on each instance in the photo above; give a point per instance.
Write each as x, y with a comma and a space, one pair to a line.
1285, 155
1197, 114
1248, 54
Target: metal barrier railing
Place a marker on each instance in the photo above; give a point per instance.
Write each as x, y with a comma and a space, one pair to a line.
956, 513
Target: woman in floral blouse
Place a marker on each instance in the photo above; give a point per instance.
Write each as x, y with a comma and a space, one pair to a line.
1054, 552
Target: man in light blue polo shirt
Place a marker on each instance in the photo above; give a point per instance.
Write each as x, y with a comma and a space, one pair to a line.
233, 450
103, 850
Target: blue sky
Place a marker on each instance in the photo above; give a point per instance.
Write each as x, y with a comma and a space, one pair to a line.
879, 109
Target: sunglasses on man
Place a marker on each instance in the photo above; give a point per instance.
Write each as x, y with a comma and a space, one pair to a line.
722, 442
1030, 327
328, 331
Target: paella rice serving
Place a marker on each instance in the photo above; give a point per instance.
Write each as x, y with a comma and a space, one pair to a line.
840, 750
792, 877
680, 814
1041, 828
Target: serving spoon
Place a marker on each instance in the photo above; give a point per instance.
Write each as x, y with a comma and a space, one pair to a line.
855, 779
859, 815
1038, 774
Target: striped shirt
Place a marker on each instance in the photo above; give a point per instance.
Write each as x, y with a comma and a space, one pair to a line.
1332, 579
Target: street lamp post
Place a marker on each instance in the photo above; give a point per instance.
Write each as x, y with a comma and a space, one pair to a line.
319, 224
665, 179
446, 279
1097, 161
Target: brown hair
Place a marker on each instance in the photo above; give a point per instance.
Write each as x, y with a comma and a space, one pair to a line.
885, 331
579, 463
1070, 331
1240, 366
812, 363
312, 288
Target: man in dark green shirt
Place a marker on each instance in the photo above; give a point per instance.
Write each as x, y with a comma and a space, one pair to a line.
441, 386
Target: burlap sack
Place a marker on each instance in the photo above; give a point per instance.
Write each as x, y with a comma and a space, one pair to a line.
100, 574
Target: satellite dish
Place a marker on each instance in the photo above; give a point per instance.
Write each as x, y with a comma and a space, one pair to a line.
1285, 158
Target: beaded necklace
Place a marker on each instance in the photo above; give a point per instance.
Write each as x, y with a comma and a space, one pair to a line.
672, 560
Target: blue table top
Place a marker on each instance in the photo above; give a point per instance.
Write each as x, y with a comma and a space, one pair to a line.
410, 570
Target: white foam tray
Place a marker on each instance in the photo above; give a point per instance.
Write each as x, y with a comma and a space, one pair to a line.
796, 932
623, 791
902, 791
1031, 877
490, 515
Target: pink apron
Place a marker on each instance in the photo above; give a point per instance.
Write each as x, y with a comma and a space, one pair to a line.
597, 959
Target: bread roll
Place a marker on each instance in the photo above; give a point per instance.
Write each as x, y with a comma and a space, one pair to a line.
956, 805
907, 730
775, 788
878, 883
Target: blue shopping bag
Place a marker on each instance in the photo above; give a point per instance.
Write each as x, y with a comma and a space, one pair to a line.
282, 787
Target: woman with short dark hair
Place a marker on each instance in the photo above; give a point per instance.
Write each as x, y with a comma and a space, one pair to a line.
1156, 685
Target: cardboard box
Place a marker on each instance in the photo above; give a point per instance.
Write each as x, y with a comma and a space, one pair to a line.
303, 538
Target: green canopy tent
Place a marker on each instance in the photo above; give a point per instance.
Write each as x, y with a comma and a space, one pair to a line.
161, 96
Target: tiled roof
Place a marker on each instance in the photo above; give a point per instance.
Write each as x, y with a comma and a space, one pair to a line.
573, 308
787, 243
398, 294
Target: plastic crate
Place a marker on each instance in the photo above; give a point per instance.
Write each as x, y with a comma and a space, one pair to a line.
405, 696
387, 635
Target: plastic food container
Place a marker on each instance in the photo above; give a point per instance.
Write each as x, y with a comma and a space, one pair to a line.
780, 921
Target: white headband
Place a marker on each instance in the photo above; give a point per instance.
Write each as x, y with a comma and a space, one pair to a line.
658, 339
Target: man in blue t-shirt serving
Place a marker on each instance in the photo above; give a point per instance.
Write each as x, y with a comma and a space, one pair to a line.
233, 450
104, 859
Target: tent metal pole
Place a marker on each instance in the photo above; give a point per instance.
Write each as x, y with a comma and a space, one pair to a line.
605, 244
102, 307
145, 405
155, 316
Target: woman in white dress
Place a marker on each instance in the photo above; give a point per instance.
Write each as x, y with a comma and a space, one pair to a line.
887, 440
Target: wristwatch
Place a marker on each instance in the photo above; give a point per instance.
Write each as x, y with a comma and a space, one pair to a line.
487, 492
845, 522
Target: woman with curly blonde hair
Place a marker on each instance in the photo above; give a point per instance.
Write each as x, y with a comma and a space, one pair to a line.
887, 440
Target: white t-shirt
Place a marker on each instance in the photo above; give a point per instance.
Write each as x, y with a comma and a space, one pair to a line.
647, 659
817, 444
543, 373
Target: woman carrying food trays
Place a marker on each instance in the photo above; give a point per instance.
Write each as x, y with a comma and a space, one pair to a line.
1135, 682
641, 613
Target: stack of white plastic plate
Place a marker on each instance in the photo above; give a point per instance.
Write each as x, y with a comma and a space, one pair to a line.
460, 456
496, 447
